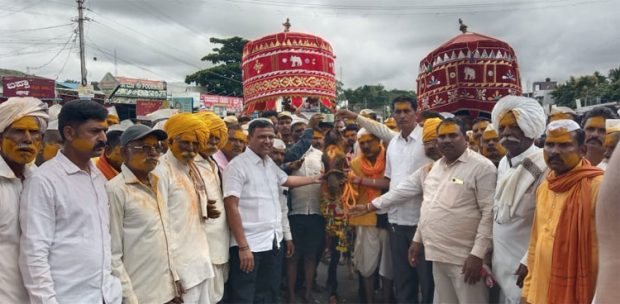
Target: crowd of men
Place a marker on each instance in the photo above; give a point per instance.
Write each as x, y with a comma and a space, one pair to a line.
518, 208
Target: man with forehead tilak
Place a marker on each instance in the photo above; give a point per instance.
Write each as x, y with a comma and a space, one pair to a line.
188, 204
612, 128
490, 146
141, 238
563, 252
456, 217
519, 121
218, 233
22, 124
594, 127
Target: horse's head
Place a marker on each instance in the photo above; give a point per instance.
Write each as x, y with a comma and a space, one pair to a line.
336, 166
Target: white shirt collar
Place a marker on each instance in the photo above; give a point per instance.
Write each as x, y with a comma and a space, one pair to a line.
515, 161
72, 168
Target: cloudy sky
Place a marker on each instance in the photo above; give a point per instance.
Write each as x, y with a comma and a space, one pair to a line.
376, 42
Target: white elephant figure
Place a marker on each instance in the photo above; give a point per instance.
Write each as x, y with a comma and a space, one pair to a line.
470, 74
295, 61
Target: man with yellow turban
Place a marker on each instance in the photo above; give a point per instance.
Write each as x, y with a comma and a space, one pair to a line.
563, 251
22, 124
409, 194
518, 121
218, 233
612, 137
189, 203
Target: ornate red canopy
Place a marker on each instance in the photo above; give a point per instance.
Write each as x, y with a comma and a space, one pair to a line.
469, 72
287, 64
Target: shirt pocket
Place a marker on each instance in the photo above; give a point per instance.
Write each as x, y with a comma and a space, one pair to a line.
455, 192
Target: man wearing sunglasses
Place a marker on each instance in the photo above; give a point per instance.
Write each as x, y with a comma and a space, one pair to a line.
141, 253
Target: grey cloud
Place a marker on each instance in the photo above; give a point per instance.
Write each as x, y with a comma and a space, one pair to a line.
168, 38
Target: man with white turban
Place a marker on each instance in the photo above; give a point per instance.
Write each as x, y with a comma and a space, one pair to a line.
22, 124
518, 121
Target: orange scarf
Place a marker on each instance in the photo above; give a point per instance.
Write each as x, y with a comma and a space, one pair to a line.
104, 166
373, 171
571, 264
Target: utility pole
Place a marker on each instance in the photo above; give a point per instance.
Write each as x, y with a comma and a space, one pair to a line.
115, 66
81, 32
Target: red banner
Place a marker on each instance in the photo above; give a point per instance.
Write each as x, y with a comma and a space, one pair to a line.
28, 86
144, 107
232, 104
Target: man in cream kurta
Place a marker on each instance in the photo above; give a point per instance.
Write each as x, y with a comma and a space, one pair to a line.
456, 217
141, 253
519, 121
218, 233
190, 247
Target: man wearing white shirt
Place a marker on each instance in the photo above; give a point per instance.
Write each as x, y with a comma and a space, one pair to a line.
65, 251
251, 183
141, 239
22, 124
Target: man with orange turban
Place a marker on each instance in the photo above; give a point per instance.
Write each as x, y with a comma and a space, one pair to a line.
563, 252
22, 124
189, 204
218, 233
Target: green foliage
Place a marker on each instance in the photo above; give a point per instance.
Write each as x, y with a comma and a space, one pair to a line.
588, 89
224, 78
372, 97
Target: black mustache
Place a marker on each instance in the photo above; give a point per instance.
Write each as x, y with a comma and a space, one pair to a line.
99, 144
594, 139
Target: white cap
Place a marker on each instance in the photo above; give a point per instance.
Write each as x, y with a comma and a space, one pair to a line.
122, 126
612, 125
567, 124
261, 118
446, 115
278, 144
231, 119
54, 111
52, 125
558, 110
161, 114
362, 132
112, 111
297, 120
160, 124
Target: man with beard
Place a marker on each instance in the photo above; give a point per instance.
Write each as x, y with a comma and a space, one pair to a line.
251, 184
520, 121
563, 252
234, 146
22, 123
409, 194
218, 233
490, 146
350, 136
141, 248
188, 203
594, 127
612, 127
284, 127
65, 253
458, 190
405, 155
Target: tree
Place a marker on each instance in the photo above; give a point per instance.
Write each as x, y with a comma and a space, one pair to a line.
373, 97
589, 89
224, 78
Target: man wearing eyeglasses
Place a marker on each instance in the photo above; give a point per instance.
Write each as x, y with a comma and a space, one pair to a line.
141, 253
